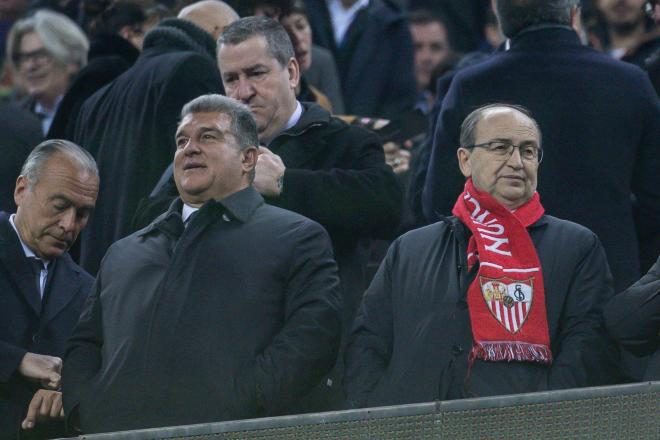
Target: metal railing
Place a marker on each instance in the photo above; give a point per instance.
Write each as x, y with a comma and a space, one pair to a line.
613, 412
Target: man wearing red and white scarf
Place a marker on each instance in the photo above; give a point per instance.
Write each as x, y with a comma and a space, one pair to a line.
498, 299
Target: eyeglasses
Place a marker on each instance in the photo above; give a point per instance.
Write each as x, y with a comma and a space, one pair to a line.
504, 149
39, 56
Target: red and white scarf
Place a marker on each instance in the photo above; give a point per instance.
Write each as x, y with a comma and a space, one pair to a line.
506, 300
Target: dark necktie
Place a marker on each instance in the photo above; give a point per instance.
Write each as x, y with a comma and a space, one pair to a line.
190, 218
37, 266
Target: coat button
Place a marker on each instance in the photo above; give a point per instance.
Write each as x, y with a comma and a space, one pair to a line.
35, 337
457, 349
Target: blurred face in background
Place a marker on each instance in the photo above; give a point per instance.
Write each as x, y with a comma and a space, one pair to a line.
622, 14
300, 32
39, 73
431, 44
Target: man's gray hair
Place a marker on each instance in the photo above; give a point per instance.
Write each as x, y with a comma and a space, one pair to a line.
35, 162
243, 126
62, 38
516, 15
469, 125
277, 40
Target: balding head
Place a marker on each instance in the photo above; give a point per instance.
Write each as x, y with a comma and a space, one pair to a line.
211, 15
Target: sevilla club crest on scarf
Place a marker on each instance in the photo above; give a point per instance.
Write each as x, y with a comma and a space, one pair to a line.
508, 300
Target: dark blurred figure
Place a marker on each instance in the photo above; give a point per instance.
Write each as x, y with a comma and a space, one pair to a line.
465, 20
116, 35
633, 319
45, 50
134, 117
602, 124
371, 43
10, 11
20, 131
432, 48
653, 62
625, 31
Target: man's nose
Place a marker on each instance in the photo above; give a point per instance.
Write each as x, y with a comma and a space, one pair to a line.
515, 160
245, 91
68, 219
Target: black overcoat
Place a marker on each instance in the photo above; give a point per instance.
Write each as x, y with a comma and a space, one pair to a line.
633, 319
129, 126
29, 325
239, 317
412, 335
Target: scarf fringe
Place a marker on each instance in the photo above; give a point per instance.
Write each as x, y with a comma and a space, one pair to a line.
511, 351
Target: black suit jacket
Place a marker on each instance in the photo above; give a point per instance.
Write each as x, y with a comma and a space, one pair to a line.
600, 120
29, 325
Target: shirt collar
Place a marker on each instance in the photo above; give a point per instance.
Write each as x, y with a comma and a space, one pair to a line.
187, 211
342, 17
295, 117
28, 252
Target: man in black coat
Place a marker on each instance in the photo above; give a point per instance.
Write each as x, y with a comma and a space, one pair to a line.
20, 131
633, 319
223, 308
310, 162
129, 125
55, 194
602, 124
374, 55
416, 339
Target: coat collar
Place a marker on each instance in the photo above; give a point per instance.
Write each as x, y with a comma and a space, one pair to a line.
290, 146
63, 287
545, 35
64, 282
16, 265
239, 205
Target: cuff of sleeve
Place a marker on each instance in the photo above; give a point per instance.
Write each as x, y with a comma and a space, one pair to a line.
12, 357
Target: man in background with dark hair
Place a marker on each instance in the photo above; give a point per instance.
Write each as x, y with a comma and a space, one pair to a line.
602, 124
432, 48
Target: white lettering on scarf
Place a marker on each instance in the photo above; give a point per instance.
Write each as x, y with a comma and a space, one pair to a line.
490, 228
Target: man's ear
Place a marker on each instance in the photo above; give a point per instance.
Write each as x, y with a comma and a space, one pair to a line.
294, 72
22, 186
249, 161
463, 155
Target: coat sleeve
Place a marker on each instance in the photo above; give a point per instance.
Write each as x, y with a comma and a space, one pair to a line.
11, 356
363, 199
444, 181
369, 347
646, 178
306, 347
584, 355
401, 94
633, 316
82, 358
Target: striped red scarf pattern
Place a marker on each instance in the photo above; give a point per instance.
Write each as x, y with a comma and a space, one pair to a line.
506, 300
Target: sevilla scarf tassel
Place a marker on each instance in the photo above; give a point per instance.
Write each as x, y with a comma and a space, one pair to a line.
506, 300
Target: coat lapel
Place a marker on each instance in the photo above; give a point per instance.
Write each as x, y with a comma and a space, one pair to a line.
16, 265
63, 288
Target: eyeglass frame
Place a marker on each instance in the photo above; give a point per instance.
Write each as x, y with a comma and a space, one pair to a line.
510, 148
39, 56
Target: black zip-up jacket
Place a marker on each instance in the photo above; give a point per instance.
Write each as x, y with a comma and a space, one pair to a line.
412, 334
